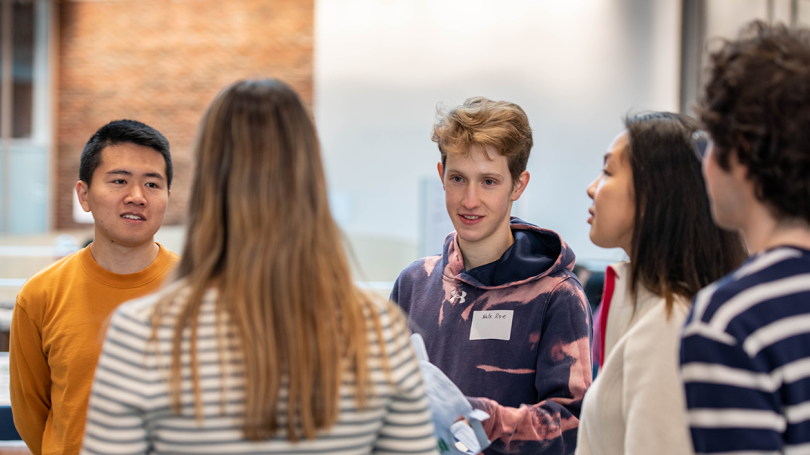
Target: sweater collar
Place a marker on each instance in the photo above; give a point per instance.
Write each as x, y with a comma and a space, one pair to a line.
157, 269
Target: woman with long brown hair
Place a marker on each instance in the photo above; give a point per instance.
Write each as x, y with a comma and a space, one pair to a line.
263, 344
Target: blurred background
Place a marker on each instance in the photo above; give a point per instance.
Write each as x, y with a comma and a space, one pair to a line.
373, 72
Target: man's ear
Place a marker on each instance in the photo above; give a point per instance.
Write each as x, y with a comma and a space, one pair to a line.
736, 167
520, 185
81, 190
441, 172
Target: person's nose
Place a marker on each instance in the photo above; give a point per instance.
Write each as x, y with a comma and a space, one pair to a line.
471, 197
135, 196
592, 187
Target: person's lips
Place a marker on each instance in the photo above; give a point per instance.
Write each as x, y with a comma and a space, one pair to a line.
470, 219
134, 217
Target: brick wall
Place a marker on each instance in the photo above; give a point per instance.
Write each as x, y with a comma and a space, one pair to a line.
161, 62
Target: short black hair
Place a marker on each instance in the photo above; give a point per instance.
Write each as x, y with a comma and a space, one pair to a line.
757, 103
123, 131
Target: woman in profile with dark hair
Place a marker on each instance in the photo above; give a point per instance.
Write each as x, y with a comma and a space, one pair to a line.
263, 344
650, 200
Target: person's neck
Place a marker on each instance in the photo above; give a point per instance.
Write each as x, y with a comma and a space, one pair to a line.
486, 250
762, 231
121, 259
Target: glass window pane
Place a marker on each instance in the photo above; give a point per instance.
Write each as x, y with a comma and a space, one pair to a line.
23, 43
2, 22
804, 13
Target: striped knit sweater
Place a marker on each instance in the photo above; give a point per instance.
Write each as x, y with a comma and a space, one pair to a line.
745, 358
130, 411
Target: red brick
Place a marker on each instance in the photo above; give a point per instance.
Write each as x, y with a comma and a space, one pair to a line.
161, 62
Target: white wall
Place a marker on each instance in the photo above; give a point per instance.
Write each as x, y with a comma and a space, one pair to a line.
575, 66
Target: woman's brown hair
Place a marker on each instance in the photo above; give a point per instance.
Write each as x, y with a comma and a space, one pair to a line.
260, 231
676, 247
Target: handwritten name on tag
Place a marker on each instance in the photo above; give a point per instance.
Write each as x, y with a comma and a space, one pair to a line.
491, 325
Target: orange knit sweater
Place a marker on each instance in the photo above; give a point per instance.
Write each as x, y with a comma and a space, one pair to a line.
56, 334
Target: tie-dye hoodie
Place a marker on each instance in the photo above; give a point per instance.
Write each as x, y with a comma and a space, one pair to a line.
531, 381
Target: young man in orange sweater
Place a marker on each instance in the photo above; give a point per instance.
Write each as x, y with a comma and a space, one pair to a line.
58, 324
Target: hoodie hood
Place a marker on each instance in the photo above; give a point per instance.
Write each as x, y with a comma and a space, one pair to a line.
536, 253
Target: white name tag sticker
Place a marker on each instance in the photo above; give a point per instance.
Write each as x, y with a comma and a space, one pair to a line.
491, 325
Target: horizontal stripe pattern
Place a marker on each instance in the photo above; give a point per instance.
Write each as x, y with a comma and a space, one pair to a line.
130, 408
745, 358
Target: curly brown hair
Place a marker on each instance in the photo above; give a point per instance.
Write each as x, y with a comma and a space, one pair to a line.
481, 121
757, 103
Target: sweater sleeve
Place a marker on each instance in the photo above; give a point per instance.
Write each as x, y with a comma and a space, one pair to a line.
654, 404
563, 374
30, 379
407, 427
115, 415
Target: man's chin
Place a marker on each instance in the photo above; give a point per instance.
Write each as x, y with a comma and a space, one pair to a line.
132, 241
138, 243
467, 235
723, 221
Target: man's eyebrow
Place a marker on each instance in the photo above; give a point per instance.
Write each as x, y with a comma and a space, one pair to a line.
485, 174
119, 172
153, 175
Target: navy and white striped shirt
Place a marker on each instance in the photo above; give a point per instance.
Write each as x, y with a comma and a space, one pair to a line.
129, 411
745, 358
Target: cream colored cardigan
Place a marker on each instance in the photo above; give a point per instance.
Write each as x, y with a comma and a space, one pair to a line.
636, 405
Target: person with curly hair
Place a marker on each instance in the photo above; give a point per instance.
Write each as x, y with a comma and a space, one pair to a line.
745, 352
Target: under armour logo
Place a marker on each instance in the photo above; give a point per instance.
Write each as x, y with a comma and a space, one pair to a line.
454, 296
